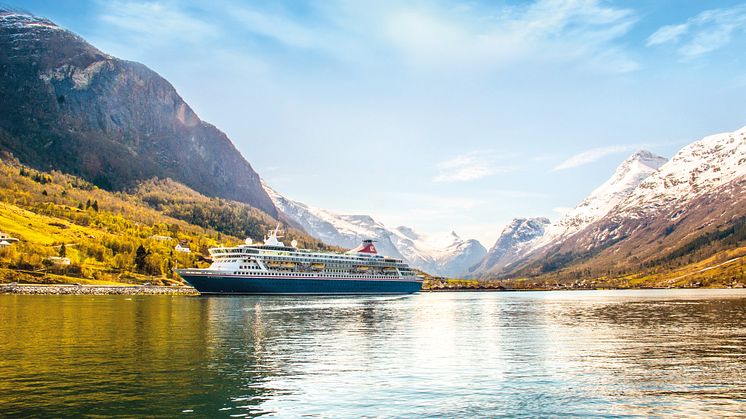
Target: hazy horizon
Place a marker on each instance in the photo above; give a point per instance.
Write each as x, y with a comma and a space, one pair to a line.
437, 115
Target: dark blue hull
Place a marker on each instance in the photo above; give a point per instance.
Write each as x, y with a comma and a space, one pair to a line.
214, 284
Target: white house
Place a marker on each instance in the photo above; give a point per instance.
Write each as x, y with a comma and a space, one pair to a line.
4, 244
59, 261
6, 238
183, 248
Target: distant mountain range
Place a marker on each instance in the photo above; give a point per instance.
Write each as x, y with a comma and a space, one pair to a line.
68, 106
447, 255
640, 218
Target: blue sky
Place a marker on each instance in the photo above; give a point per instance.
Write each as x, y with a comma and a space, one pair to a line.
438, 115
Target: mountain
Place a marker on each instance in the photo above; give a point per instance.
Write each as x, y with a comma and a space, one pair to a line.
514, 241
700, 189
447, 255
691, 209
625, 179
524, 237
68, 106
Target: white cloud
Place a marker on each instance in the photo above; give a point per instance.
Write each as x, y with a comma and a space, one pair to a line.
670, 33
156, 22
468, 166
426, 37
706, 32
494, 37
277, 27
592, 155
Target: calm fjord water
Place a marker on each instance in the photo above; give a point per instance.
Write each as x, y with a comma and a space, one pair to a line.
593, 353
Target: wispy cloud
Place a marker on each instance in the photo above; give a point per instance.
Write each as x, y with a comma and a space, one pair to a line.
493, 37
592, 155
706, 32
427, 37
468, 166
157, 22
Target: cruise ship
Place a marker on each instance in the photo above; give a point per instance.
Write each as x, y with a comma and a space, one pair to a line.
274, 268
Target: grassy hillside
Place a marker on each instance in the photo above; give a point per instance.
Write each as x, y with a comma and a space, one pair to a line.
113, 237
717, 268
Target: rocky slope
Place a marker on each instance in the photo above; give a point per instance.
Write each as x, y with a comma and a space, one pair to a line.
449, 255
526, 237
68, 106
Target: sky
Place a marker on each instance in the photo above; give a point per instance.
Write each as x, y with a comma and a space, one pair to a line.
438, 115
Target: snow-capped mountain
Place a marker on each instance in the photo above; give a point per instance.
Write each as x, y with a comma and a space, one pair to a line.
447, 255
698, 168
706, 176
625, 179
669, 218
524, 237
513, 242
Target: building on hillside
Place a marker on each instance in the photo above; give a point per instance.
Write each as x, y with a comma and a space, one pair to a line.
6, 238
183, 248
4, 244
59, 261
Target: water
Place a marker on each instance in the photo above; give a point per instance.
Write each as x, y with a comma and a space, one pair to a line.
595, 353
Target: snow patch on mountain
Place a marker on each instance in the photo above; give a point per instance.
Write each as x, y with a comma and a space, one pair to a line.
12, 19
447, 254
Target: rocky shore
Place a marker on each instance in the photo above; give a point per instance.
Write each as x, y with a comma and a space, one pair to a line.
29, 289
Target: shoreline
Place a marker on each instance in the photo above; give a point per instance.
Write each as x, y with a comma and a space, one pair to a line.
67, 289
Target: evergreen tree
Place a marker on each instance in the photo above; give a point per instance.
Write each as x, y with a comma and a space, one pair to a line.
140, 255
87, 204
95, 205
63, 251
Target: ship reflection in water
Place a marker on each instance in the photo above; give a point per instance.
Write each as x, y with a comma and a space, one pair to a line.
678, 353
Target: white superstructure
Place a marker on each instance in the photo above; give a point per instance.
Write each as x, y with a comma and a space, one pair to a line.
274, 259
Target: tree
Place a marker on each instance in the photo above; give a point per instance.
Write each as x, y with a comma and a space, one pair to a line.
140, 255
63, 251
87, 204
95, 205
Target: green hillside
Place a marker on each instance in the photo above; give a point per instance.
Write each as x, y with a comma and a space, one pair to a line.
114, 237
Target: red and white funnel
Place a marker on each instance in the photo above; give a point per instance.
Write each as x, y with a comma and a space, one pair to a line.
366, 247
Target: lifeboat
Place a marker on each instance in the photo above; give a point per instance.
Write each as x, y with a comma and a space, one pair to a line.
274, 263
389, 268
317, 266
362, 268
288, 264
